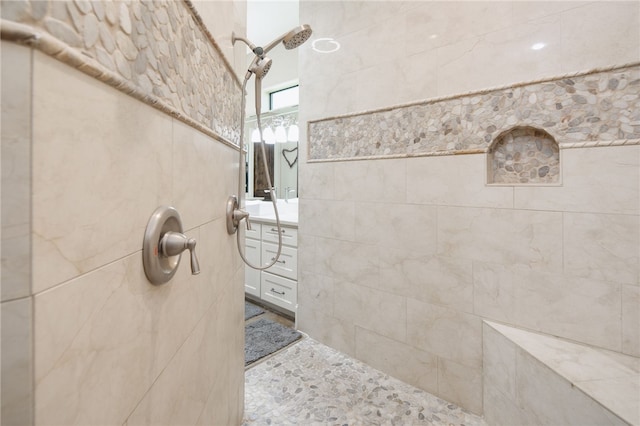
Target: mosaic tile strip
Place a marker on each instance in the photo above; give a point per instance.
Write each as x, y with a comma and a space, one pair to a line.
600, 107
157, 51
312, 384
524, 155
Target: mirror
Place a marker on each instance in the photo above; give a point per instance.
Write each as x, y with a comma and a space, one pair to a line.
280, 131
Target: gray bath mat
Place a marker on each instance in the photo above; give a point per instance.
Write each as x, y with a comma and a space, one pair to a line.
251, 310
264, 337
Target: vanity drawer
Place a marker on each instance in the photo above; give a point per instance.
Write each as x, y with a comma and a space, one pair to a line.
279, 291
287, 264
289, 235
255, 232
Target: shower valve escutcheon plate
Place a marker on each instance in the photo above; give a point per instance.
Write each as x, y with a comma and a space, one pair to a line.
164, 242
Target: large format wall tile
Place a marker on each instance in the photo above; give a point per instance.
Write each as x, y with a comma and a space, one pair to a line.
197, 185
382, 181
460, 384
600, 180
481, 53
307, 261
354, 303
631, 320
317, 180
317, 292
225, 402
498, 361
101, 166
210, 357
501, 236
581, 309
416, 74
602, 247
500, 375
445, 332
437, 280
500, 409
613, 22
401, 225
323, 97
16, 171
332, 331
407, 363
351, 262
17, 365
121, 348
449, 23
545, 396
454, 181
127, 331
330, 219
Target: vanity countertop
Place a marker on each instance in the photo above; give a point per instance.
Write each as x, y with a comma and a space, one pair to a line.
262, 211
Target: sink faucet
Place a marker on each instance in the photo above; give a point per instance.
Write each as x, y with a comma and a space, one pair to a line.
287, 191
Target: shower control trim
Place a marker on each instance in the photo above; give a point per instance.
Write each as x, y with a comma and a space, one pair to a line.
163, 244
235, 215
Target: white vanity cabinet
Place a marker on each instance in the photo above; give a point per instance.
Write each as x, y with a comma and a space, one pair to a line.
277, 285
252, 250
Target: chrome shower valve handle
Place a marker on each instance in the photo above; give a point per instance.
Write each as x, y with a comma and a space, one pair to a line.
238, 215
174, 243
163, 244
235, 215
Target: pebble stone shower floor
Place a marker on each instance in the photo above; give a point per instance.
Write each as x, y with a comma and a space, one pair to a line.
309, 383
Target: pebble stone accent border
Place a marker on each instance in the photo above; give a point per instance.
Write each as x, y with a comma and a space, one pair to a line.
312, 384
524, 155
595, 108
157, 51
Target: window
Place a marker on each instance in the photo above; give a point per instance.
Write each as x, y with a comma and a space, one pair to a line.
283, 98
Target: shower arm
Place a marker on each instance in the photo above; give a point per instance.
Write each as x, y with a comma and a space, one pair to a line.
274, 43
255, 49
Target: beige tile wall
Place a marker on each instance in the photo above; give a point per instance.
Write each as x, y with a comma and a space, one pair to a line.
17, 306
16, 179
435, 250
109, 347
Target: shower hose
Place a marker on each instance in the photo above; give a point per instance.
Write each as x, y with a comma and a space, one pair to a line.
241, 176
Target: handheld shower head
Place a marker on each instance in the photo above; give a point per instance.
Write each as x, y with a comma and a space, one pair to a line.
262, 67
292, 39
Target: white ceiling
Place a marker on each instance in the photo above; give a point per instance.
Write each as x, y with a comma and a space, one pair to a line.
268, 20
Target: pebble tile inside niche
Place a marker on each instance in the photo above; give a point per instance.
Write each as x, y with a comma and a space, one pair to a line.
524, 156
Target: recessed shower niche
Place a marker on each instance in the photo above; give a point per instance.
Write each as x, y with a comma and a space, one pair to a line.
523, 156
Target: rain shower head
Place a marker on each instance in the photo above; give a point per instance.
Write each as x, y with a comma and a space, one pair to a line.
292, 39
